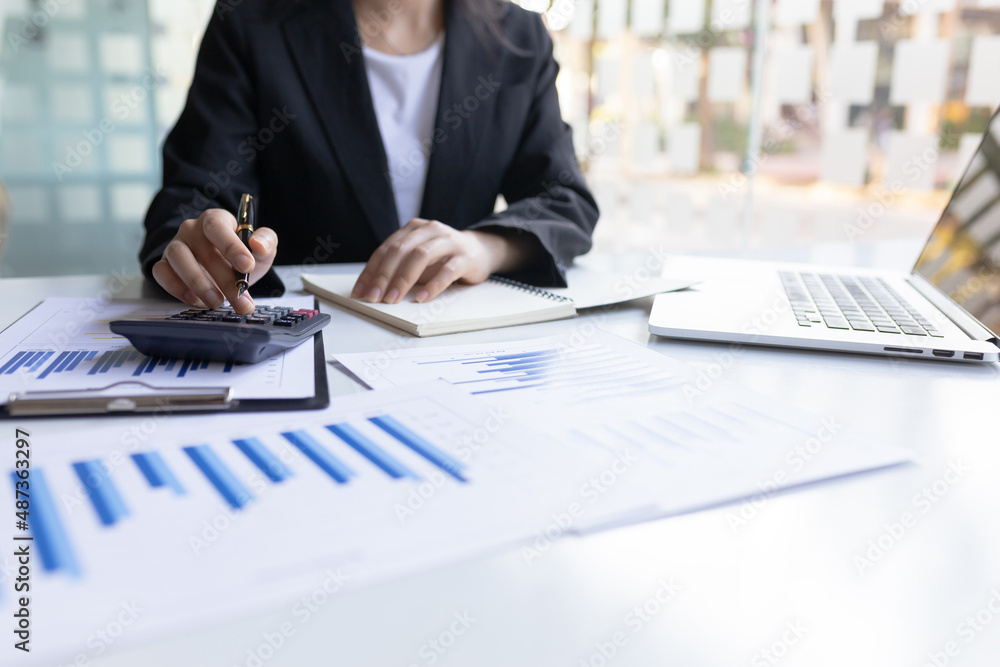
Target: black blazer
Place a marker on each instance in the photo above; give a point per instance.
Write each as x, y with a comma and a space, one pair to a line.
280, 108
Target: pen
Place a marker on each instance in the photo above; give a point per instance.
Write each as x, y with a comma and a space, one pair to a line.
244, 228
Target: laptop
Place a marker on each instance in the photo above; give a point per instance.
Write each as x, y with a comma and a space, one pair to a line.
946, 309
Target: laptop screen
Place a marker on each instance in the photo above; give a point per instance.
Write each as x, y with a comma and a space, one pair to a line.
962, 255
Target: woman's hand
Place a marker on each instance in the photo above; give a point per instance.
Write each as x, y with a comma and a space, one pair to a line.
433, 255
198, 264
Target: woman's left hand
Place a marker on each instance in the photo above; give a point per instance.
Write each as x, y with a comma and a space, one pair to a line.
433, 255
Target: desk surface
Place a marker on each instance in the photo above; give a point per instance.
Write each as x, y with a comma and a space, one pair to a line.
785, 587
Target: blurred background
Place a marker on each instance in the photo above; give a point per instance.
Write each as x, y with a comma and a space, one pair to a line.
701, 124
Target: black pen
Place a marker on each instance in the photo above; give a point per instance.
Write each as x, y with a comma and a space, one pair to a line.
244, 228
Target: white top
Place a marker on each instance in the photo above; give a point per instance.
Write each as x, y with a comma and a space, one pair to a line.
405, 94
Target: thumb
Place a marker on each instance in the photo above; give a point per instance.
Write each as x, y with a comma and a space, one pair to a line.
263, 244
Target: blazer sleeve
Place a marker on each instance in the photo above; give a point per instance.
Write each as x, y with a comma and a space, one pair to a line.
206, 161
544, 188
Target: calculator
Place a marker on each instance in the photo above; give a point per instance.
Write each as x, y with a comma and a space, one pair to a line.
222, 334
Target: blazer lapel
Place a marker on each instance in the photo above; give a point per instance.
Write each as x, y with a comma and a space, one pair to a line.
466, 102
323, 42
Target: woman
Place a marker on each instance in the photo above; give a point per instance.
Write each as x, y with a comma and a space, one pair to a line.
376, 131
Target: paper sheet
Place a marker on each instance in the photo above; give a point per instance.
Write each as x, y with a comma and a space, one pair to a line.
793, 74
796, 12
919, 71
378, 485
982, 87
701, 440
844, 157
684, 148
647, 17
853, 10
611, 19
852, 71
911, 161
727, 73
65, 344
731, 14
686, 17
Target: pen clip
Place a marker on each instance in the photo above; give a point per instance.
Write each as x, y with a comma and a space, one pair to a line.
245, 214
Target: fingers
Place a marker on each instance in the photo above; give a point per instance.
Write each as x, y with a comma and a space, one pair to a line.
200, 261
222, 274
449, 272
372, 282
219, 228
264, 246
168, 279
190, 271
415, 263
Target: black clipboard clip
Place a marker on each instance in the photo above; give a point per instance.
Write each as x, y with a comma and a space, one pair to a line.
125, 397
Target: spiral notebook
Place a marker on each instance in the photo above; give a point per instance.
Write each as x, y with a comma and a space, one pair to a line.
497, 302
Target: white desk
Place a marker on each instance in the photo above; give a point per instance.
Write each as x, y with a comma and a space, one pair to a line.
740, 591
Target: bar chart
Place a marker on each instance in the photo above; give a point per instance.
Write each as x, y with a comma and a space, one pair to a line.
127, 358
225, 512
377, 439
66, 344
576, 372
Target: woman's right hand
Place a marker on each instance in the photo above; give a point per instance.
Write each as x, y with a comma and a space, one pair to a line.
199, 264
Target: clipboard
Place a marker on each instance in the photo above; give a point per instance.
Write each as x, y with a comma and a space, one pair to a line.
126, 398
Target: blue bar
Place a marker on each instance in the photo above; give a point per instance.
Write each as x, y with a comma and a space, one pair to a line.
62, 355
97, 366
494, 391
204, 364
142, 365
320, 456
73, 358
514, 368
262, 457
156, 472
25, 361
228, 367
79, 357
103, 494
39, 362
170, 365
151, 365
122, 358
110, 361
529, 360
219, 475
46, 528
421, 446
13, 360
371, 451
184, 368
132, 355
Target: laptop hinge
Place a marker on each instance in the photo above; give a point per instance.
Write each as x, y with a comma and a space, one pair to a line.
958, 315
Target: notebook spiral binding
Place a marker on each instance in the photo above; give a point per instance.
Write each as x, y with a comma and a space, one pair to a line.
531, 289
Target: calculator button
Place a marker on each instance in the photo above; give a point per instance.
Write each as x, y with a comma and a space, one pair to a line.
282, 322
256, 319
232, 318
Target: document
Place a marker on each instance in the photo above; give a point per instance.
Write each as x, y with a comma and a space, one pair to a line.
188, 520
65, 344
701, 439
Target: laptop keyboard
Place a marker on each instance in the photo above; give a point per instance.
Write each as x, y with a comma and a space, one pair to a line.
858, 303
